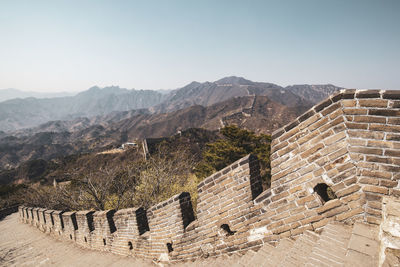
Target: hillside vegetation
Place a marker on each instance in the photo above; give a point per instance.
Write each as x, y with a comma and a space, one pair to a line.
127, 179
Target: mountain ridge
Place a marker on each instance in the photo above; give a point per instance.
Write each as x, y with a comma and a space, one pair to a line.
16, 114
58, 138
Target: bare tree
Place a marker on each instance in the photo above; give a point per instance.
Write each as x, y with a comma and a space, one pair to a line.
165, 170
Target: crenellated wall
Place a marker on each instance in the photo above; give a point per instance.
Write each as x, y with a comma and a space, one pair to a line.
347, 146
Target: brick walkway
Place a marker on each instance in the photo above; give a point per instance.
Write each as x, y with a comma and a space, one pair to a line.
24, 245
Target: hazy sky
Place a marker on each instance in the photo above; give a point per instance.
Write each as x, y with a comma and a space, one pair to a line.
72, 45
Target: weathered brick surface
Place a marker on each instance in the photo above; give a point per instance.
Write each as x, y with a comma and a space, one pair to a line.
49, 221
104, 227
370, 139
42, 220
349, 142
83, 235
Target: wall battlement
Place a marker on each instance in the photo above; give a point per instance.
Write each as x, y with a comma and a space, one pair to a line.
348, 146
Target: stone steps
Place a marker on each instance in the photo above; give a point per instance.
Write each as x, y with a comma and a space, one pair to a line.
261, 256
298, 254
337, 245
280, 251
331, 248
245, 259
363, 249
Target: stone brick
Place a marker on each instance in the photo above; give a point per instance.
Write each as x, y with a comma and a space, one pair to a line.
348, 190
379, 159
349, 103
312, 150
311, 219
350, 213
306, 115
391, 94
277, 133
366, 150
331, 109
303, 200
334, 138
384, 128
377, 174
287, 149
329, 205
388, 183
322, 105
348, 93
366, 135
294, 218
376, 189
378, 103
392, 153
336, 211
321, 223
369, 119
355, 111
352, 125
333, 148
336, 114
368, 94
291, 125
395, 121
384, 112
288, 134
318, 124
371, 181
278, 146
332, 124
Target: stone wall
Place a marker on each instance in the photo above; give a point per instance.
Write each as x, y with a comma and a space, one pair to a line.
348, 147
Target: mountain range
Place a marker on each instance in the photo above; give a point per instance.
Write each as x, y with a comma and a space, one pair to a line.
7, 94
98, 119
29, 112
16, 114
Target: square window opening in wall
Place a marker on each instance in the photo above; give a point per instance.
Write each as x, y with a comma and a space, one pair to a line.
227, 229
89, 218
169, 247
52, 219
142, 221
110, 220
324, 192
186, 208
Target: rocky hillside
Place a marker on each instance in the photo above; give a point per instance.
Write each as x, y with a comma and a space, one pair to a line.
54, 139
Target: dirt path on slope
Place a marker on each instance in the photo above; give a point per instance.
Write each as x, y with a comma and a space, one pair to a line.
25, 245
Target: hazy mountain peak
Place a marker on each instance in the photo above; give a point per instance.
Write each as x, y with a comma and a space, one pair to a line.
11, 93
234, 80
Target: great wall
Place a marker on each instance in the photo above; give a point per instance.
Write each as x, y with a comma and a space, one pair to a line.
349, 144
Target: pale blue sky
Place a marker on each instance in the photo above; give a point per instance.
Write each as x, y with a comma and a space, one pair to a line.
72, 45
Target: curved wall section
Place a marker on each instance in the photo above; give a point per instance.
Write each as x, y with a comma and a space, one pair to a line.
335, 162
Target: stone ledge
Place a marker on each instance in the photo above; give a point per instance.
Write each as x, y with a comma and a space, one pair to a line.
342, 94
